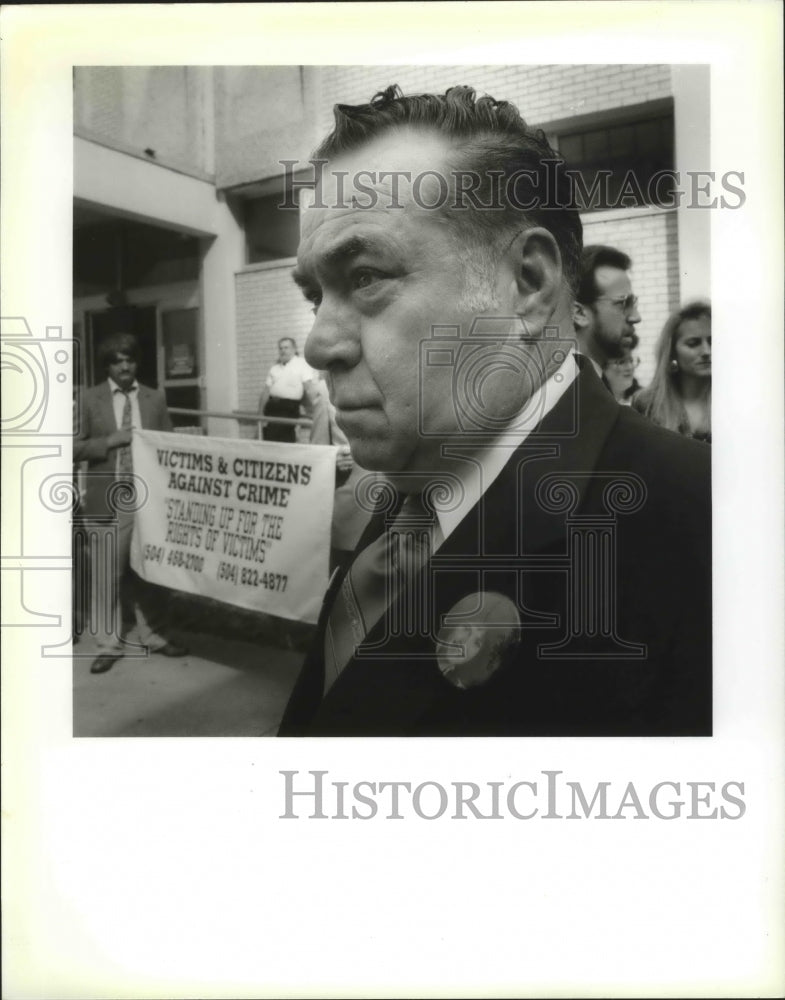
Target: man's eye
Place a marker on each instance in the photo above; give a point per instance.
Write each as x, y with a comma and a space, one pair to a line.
364, 277
315, 298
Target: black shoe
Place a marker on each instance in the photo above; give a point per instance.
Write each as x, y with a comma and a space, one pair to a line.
171, 649
103, 663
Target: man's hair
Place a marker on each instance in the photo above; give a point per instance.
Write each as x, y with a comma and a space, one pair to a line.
592, 258
114, 344
487, 136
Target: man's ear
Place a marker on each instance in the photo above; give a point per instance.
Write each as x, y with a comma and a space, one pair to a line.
581, 317
537, 277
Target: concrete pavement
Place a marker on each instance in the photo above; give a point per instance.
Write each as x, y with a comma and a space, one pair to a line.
225, 686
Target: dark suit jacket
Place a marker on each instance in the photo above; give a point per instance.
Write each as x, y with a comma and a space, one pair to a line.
650, 676
97, 422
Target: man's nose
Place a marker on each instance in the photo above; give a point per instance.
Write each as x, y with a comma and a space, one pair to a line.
634, 316
334, 338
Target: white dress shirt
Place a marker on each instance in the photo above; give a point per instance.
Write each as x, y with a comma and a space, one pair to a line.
287, 381
118, 402
477, 474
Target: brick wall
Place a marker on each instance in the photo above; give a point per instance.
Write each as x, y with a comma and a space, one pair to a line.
543, 93
269, 306
651, 241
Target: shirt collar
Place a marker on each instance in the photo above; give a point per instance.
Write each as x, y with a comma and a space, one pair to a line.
595, 364
116, 388
477, 475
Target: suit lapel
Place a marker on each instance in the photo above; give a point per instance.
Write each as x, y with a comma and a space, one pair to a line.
574, 433
144, 398
106, 403
394, 685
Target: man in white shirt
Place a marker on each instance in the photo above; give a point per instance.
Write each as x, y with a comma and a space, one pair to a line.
287, 385
538, 561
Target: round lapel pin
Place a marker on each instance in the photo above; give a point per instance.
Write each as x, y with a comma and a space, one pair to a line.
476, 632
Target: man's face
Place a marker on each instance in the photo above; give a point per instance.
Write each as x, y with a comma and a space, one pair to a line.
612, 320
285, 351
122, 370
381, 278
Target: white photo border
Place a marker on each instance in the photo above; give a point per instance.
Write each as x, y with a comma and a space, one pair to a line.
161, 868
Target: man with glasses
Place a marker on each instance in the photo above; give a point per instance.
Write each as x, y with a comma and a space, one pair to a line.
605, 309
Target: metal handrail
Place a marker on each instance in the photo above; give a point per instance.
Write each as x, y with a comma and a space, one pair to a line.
243, 416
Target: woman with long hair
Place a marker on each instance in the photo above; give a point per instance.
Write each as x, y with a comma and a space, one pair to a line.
679, 396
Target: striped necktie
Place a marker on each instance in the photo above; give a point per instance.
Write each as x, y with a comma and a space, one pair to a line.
124, 463
382, 572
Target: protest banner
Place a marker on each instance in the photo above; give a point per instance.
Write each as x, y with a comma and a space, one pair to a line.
245, 522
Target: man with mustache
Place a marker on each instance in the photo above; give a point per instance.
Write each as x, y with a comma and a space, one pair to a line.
109, 412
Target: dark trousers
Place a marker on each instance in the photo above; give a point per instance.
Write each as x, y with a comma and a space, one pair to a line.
281, 408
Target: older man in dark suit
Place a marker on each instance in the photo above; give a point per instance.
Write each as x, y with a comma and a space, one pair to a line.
539, 559
108, 413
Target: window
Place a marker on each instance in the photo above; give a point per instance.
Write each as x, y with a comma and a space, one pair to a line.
180, 357
620, 163
179, 328
111, 254
271, 232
